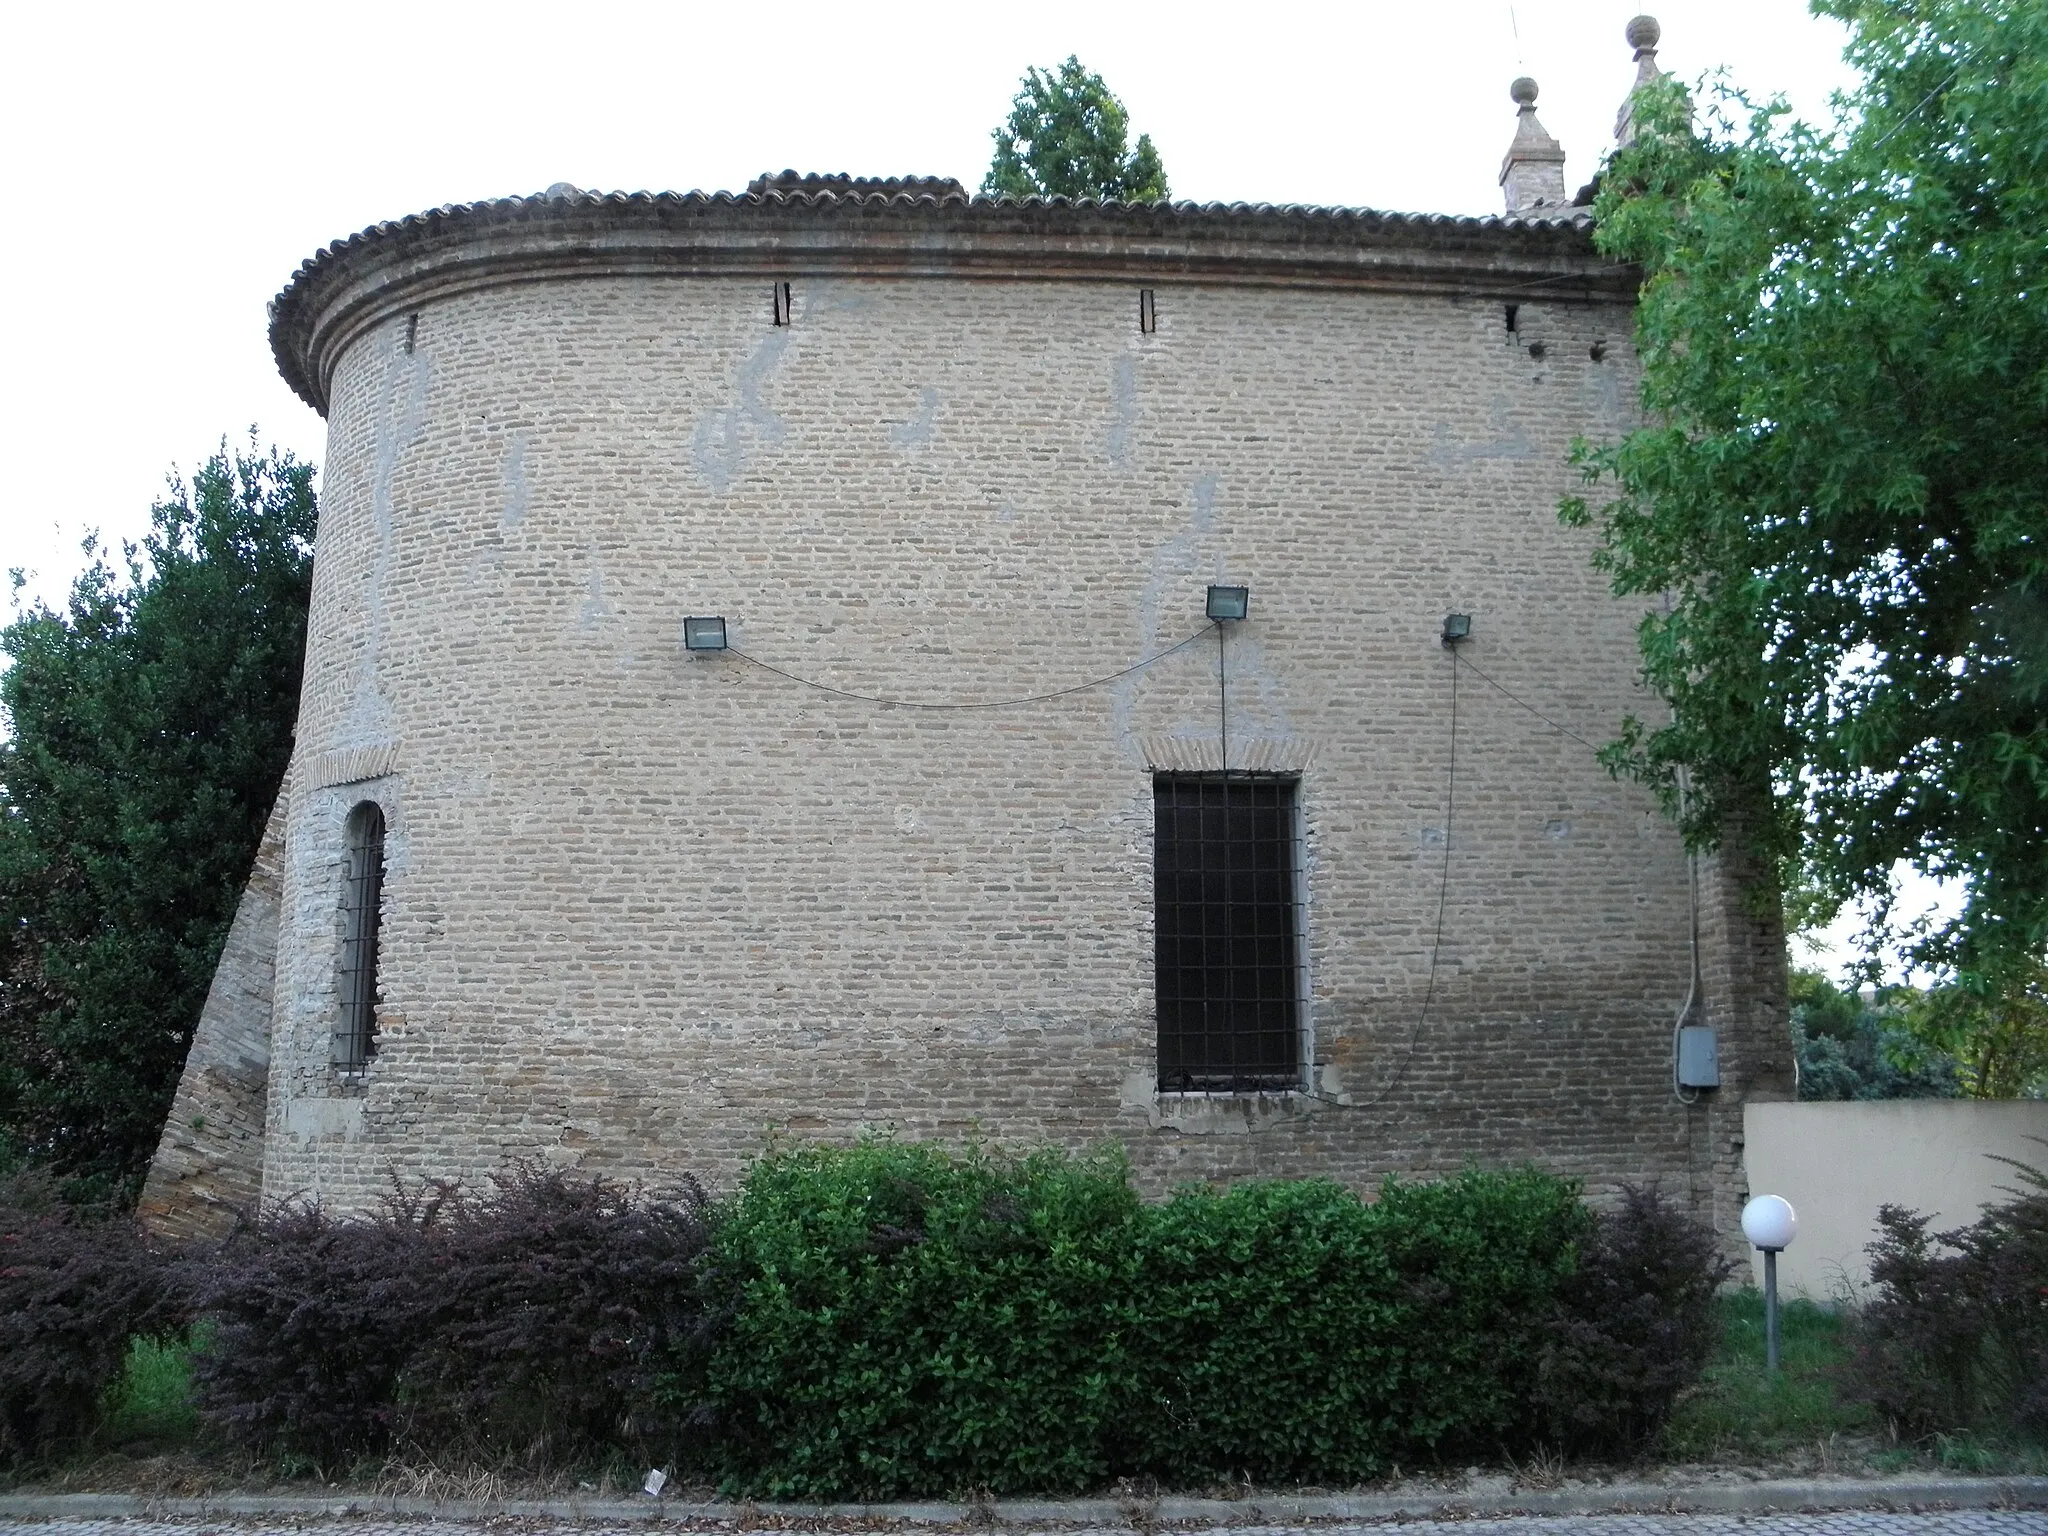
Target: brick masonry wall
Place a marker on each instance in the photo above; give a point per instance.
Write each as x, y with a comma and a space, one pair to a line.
209, 1162
646, 911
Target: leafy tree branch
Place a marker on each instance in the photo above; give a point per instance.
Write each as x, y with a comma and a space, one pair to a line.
1839, 506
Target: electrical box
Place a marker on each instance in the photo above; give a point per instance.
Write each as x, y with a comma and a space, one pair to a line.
1699, 1059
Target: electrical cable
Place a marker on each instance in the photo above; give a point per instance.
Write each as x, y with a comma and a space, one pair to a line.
1693, 1001
1436, 943
1602, 270
1563, 730
1443, 893
1222, 696
1895, 127
1692, 1004
1223, 708
1036, 698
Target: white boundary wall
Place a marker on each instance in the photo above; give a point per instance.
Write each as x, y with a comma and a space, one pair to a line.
1837, 1163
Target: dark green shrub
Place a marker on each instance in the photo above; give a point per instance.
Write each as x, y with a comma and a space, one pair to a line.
75, 1284
1958, 1340
896, 1320
1635, 1326
1290, 1332
901, 1321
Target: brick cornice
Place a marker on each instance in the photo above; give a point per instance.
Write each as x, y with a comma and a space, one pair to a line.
357, 283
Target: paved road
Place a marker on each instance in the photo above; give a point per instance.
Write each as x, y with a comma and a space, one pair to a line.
1975, 1522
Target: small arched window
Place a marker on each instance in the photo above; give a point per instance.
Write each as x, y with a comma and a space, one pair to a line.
362, 896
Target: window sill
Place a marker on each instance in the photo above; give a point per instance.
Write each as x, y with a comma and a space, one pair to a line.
1217, 1112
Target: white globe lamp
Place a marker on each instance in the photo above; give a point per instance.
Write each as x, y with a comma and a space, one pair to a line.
1770, 1223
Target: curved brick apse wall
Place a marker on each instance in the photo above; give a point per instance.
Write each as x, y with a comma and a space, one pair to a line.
644, 909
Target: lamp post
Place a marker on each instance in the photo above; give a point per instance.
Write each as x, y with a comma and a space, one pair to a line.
1769, 1222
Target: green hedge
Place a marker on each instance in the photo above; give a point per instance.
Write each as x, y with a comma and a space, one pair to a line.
1291, 1332
897, 1321
887, 1321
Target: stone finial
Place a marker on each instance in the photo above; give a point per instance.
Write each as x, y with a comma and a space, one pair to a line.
1532, 173
1642, 34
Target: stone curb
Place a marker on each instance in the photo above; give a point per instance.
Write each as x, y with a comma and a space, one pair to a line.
1617, 1498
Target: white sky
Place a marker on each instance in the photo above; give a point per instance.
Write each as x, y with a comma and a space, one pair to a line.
170, 165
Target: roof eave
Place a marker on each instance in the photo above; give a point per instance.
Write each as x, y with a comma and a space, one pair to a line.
356, 283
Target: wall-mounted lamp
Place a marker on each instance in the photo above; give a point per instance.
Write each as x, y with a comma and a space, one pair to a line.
1457, 626
1229, 602
704, 634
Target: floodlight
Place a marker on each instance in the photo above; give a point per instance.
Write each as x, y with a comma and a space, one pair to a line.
1229, 602
1457, 626
704, 634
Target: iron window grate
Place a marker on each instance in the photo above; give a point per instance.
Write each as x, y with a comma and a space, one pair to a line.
362, 898
1228, 941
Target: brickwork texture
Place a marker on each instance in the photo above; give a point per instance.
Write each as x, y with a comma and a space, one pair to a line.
209, 1161
647, 911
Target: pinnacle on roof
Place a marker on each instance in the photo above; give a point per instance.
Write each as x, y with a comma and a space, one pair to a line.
1532, 173
1642, 35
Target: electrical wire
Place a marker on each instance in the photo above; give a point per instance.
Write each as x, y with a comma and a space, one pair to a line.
1443, 894
1606, 269
1563, 730
1458, 664
1223, 696
1036, 698
1436, 945
1690, 1008
1694, 1000
1895, 127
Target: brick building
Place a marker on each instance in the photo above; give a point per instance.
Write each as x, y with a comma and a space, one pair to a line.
979, 825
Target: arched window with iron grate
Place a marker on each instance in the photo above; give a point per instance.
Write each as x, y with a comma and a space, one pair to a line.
362, 896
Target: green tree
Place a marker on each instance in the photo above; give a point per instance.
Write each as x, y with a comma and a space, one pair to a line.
1849, 1048
1992, 1024
1839, 507
151, 722
1066, 137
